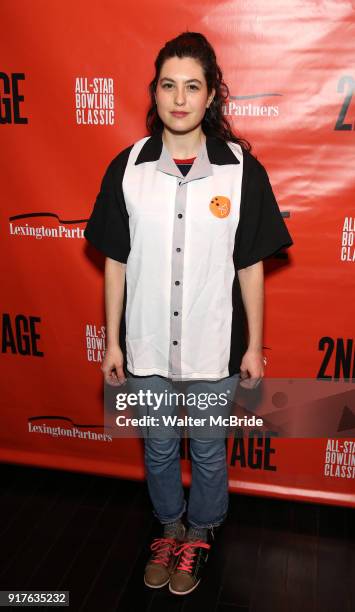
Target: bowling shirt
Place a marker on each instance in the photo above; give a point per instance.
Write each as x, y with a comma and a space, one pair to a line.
183, 240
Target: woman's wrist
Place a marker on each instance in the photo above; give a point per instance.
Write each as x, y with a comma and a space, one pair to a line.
255, 348
112, 345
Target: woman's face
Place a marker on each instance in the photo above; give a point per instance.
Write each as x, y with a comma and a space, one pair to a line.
181, 94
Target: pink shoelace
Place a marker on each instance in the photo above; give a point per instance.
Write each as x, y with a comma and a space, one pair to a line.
161, 548
188, 554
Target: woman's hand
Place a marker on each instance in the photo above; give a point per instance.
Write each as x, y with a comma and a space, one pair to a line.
252, 369
112, 366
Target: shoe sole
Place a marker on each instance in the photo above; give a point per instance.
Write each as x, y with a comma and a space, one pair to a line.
184, 592
156, 586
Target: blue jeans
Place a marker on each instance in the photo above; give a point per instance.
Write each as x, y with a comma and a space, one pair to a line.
208, 499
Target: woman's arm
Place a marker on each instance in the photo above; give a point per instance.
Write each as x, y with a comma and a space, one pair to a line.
251, 280
112, 365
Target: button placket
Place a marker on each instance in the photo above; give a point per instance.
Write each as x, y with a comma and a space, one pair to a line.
201, 168
177, 279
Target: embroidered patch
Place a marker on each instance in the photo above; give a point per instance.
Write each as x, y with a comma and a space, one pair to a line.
220, 206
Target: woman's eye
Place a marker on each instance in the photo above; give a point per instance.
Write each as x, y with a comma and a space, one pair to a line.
170, 85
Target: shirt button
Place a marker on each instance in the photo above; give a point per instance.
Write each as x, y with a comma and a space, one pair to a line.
177, 282
176, 313
175, 342
179, 216
178, 250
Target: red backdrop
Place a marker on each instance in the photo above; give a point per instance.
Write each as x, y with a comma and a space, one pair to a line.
73, 93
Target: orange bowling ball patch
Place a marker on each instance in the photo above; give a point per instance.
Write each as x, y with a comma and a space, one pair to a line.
220, 206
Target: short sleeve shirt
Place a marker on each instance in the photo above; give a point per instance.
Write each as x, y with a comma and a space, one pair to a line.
183, 240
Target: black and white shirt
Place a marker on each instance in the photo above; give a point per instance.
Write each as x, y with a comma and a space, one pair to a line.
183, 239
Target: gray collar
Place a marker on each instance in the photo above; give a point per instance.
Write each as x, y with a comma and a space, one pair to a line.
216, 149
200, 168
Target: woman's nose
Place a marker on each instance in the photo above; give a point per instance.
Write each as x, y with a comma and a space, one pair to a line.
180, 95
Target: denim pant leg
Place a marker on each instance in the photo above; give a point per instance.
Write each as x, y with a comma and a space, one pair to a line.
208, 501
163, 470
162, 458
209, 496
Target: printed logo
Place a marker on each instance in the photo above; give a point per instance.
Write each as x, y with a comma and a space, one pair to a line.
94, 101
95, 342
234, 106
61, 426
21, 335
345, 120
347, 252
339, 358
254, 451
10, 98
220, 206
55, 226
340, 459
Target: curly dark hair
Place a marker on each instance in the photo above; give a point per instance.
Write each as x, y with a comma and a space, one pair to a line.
195, 45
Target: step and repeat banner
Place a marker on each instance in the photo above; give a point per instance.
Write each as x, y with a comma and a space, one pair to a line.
73, 93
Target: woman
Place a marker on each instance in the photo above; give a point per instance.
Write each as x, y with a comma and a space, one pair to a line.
185, 217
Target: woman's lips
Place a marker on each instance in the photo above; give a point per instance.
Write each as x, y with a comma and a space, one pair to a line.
177, 114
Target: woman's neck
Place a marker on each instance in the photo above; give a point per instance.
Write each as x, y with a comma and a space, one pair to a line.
183, 146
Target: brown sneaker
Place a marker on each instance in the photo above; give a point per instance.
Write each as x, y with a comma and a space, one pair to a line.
161, 563
192, 557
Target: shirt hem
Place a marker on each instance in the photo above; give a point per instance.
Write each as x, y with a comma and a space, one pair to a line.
182, 377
